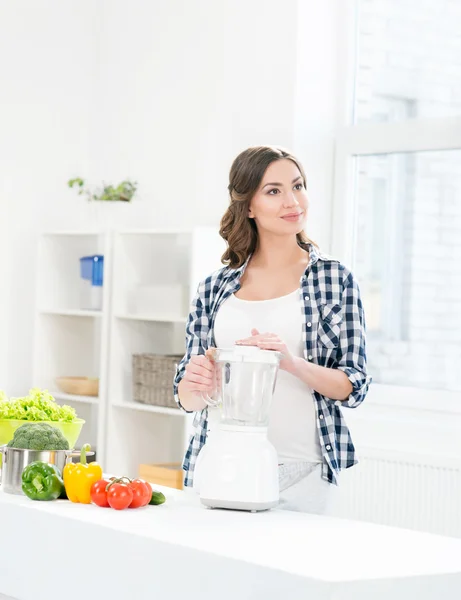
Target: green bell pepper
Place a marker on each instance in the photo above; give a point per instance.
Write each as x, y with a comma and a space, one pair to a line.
42, 481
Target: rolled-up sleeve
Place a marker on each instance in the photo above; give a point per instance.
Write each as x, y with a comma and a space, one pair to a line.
197, 328
351, 358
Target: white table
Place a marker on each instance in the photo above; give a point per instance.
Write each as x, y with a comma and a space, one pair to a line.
52, 550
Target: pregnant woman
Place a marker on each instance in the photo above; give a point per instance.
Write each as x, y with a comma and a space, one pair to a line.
277, 291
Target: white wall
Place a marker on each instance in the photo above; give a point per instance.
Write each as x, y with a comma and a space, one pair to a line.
192, 84
46, 65
166, 93
317, 103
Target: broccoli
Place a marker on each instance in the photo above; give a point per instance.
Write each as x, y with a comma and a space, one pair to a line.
38, 436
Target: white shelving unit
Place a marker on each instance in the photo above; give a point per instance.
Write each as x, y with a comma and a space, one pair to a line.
155, 275
150, 277
68, 340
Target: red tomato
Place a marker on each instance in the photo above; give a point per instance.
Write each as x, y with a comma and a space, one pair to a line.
142, 493
98, 493
119, 496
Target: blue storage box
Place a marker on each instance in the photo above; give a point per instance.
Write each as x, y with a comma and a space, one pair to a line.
92, 277
92, 269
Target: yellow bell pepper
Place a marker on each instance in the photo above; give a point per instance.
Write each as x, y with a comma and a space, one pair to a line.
79, 477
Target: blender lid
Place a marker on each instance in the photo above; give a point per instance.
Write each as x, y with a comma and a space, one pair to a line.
250, 354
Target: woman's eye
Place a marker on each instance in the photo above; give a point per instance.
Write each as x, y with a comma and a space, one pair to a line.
273, 191
299, 186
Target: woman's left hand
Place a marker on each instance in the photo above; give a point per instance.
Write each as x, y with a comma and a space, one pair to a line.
270, 341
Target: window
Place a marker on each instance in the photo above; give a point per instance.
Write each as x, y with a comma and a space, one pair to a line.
397, 207
408, 53
408, 258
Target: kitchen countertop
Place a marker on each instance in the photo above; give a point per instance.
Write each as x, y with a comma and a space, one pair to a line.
183, 549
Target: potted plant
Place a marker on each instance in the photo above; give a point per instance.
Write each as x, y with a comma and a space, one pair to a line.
123, 192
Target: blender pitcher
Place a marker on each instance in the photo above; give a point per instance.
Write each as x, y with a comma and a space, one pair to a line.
245, 378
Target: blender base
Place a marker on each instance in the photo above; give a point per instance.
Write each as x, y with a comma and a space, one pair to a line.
234, 505
239, 470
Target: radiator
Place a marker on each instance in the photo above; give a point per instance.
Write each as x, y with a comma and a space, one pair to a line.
402, 490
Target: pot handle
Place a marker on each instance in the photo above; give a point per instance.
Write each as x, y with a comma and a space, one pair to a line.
73, 453
2, 457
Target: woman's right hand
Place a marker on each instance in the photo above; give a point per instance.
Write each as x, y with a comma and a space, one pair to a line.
199, 377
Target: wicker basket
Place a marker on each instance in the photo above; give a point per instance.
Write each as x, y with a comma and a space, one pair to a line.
153, 376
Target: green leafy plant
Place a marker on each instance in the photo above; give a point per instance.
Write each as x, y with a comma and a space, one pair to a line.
39, 405
123, 192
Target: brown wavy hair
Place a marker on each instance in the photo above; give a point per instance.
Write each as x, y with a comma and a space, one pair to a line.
246, 173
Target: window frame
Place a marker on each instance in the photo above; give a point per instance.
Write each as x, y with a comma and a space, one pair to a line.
368, 138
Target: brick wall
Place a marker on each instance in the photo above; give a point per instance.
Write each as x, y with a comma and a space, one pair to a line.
409, 219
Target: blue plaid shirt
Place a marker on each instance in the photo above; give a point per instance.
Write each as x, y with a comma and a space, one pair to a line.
333, 334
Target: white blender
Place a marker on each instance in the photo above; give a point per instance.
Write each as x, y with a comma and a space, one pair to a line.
237, 467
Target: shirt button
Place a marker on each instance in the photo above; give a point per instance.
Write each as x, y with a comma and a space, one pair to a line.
309, 324
309, 357
306, 297
320, 416
328, 447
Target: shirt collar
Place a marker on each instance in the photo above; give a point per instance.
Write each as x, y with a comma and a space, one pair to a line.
314, 256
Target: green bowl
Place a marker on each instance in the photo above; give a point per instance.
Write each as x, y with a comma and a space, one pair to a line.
71, 431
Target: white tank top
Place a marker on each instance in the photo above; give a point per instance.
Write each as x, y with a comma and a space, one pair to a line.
292, 427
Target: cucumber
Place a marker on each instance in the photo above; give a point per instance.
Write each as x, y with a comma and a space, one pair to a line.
157, 498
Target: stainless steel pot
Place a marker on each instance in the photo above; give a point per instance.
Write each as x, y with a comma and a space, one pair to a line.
16, 459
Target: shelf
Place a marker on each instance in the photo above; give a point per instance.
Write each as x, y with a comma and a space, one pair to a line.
71, 232
150, 408
154, 318
71, 312
165, 231
73, 398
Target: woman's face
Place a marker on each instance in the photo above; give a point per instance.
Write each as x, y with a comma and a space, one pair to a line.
279, 206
